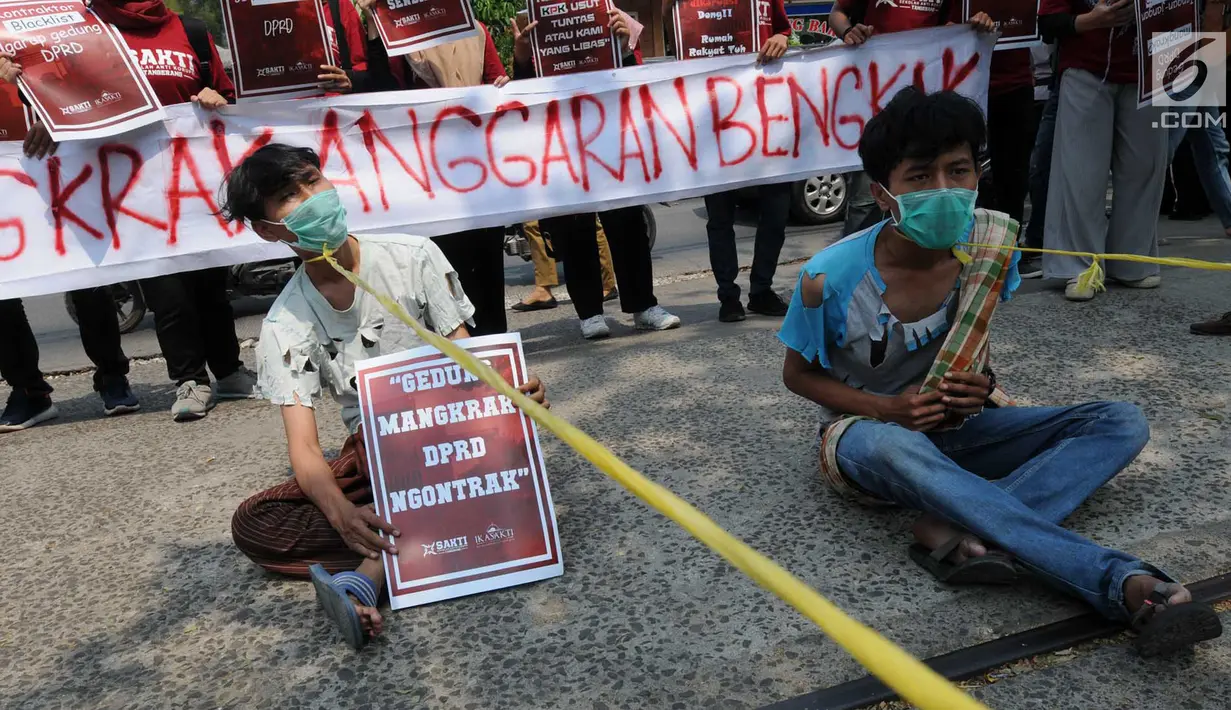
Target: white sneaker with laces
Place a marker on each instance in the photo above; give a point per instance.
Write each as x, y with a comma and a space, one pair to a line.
595, 328
240, 384
655, 318
192, 401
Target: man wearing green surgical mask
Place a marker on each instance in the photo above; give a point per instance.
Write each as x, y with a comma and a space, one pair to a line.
321, 522
888, 332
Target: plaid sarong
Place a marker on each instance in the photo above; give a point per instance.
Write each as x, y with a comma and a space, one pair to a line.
966, 345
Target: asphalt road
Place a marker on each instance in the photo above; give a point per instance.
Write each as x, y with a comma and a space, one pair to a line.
681, 249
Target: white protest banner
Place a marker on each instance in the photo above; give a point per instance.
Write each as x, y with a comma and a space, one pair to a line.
77, 71
458, 469
445, 160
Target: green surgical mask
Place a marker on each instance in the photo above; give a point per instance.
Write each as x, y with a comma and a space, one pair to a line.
935, 219
319, 222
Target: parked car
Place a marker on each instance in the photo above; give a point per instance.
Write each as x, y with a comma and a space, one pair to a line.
816, 200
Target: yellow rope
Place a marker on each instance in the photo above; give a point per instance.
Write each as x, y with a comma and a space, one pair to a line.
1093, 276
899, 670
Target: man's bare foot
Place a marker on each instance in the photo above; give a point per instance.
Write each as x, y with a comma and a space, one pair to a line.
1139, 587
932, 532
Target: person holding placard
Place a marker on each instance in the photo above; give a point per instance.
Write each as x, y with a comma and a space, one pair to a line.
1099, 128
192, 311
627, 233
774, 199
316, 331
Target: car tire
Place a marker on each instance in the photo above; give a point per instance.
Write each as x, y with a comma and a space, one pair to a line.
820, 199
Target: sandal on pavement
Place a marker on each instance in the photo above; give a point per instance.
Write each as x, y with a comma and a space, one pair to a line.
523, 306
992, 568
1164, 629
331, 592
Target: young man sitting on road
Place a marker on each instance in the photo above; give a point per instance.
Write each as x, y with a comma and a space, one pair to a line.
322, 521
887, 332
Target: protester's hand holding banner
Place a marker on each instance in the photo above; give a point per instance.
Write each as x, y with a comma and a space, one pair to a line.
715, 28
76, 70
1016, 20
459, 471
571, 36
278, 47
1165, 30
407, 26
14, 117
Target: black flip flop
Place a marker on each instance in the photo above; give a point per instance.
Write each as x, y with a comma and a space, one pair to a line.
522, 307
615, 293
992, 568
1163, 629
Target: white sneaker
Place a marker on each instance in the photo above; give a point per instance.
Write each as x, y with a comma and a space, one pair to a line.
595, 328
1074, 292
240, 384
1148, 282
655, 318
192, 401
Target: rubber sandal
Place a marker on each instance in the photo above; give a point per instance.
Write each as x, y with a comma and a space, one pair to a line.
992, 568
1163, 629
331, 592
523, 307
612, 295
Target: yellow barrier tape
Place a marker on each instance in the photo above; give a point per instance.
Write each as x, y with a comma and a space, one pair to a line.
1092, 277
902, 672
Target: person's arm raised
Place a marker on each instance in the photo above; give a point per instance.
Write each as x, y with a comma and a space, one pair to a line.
358, 525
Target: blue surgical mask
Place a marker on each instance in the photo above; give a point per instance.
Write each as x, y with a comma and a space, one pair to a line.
935, 219
319, 222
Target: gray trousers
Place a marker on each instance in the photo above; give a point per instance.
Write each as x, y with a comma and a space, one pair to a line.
1100, 128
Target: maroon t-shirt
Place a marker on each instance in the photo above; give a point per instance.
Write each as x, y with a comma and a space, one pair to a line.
885, 16
167, 59
1109, 54
772, 19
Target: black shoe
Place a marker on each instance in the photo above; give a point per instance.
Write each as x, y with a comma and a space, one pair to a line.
1030, 267
24, 411
767, 304
118, 398
731, 311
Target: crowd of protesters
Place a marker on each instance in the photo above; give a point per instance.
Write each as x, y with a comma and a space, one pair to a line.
1059, 122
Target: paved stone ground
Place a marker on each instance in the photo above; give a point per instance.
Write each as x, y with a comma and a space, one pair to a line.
122, 588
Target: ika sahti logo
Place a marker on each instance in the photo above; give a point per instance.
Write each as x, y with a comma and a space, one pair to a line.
1190, 73
494, 535
445, 547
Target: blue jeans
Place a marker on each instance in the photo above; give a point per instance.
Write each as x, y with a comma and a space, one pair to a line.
1040, 169
1010, 476
1210, 149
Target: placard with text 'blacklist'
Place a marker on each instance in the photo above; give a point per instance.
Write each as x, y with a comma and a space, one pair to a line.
458, 470
278, 47
715, 28
77, 71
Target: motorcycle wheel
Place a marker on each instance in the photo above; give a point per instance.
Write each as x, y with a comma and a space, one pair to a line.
130, 305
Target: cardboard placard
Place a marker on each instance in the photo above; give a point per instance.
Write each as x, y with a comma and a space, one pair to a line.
1164, 29
407, 26
14, 116
715, 28
1017, 20
278, 47
458, 470
572, 36
77, 71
